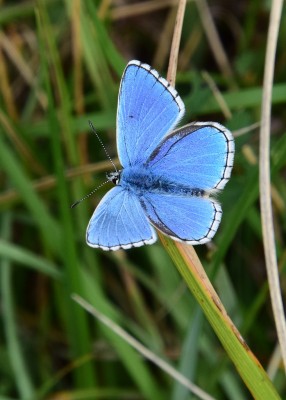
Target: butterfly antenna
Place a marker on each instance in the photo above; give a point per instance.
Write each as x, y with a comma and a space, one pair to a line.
88, 195
100, 141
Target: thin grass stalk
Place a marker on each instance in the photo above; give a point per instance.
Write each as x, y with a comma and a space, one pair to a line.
214, 39
174, 53
265, 180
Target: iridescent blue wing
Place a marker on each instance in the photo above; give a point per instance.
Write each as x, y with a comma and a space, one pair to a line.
199, 159
198, 155
118, 222
148, 108
193, 220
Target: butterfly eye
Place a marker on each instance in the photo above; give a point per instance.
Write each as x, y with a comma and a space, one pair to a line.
113, 177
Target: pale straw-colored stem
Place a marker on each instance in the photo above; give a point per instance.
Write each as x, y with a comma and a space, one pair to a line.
264, 178
173, 60
213, 38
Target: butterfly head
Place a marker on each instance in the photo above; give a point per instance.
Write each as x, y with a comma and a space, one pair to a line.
114, 177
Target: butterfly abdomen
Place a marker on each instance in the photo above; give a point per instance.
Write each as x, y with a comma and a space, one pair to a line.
142, 180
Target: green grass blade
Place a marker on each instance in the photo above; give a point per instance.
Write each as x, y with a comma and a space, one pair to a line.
21, 372
17, 254
48, 227
247, 365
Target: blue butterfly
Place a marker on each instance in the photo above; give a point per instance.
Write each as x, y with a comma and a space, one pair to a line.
168, 177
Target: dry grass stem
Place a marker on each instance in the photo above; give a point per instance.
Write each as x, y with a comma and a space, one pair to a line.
265, 182
132, 10
214, 39
174, 53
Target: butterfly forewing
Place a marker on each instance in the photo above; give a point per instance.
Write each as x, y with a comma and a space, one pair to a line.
148, 108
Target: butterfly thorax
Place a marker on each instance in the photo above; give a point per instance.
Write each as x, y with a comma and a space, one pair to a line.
141, 180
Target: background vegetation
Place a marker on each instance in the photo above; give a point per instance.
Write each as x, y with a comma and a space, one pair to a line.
60, 65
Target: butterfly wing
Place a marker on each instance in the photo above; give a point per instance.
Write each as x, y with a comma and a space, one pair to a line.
148, 108
199, 155
118, 222
193, 220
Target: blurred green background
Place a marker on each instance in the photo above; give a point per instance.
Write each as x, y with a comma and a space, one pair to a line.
60, 65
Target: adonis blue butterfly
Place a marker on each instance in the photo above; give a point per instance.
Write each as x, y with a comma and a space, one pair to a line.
168, 177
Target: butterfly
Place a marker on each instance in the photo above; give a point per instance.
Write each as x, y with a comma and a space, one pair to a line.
169, 177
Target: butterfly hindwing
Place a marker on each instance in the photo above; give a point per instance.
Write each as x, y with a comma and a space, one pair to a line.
199, 155
148, 108
118, 222
193, 220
